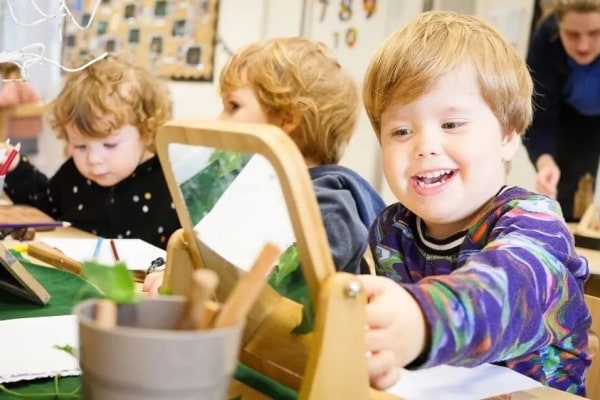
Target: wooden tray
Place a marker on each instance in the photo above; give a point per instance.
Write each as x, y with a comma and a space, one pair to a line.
23, 214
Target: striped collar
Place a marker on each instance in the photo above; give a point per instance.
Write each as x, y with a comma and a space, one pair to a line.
446, 246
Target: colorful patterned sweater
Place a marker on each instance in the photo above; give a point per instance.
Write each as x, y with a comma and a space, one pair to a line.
507, 291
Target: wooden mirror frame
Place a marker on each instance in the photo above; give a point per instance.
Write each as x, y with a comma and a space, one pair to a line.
330, 362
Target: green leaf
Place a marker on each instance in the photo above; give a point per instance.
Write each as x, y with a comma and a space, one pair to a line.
228, 161
116, 282
288, 279
165, 291
308, 318
67, 348
288, 263
202, 191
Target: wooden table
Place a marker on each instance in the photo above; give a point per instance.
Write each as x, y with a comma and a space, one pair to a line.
592, 286
237, 388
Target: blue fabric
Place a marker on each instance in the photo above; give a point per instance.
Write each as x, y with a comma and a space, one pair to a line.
348, 205
547, 61
582, 89
368, 202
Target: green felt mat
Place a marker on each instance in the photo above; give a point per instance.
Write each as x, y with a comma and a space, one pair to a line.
68, 289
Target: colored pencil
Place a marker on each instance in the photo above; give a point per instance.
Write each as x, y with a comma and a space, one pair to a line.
20, 248
97, 249
113, 247
11, 156
40, 225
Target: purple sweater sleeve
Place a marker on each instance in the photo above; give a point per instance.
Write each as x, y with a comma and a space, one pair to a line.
518, 295
512, 294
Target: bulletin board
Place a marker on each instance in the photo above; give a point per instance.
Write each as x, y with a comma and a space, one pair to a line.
174, 38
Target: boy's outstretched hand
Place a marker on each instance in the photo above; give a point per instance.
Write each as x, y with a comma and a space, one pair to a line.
396, 332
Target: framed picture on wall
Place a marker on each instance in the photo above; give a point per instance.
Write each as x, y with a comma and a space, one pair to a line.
129, 11
134, 36
193, 56
175, 38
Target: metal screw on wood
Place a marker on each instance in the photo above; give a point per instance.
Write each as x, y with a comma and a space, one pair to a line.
353, 289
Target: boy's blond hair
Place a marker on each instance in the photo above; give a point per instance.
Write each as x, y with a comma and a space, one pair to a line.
410, 62
301, 78
106, 96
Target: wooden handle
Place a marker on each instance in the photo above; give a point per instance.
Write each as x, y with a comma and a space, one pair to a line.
54, 257
202, 288
211, 309
106, 313
244, 294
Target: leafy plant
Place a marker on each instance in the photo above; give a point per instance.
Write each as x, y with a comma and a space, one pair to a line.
117, 284
202, 191
289, 281
56, 394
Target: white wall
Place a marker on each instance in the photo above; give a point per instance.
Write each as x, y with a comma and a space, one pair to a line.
513, 19
44, 77
240, 22
243, 21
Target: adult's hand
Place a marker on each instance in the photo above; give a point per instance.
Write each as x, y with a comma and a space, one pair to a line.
548, 175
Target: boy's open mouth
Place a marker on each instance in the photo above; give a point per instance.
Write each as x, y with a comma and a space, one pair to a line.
434, 178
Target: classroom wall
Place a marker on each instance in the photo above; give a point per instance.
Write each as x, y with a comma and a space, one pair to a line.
272, 18
242, 21
44, 77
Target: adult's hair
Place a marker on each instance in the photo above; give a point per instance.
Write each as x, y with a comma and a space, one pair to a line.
562, 7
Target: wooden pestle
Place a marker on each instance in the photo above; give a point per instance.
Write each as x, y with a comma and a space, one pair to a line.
106, 313
243, 295
202, 287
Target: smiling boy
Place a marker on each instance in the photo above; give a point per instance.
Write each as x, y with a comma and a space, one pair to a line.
473, 271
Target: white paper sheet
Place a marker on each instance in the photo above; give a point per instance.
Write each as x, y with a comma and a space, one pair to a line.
27, 352
251, 212
135, 253
457, 383
27, 348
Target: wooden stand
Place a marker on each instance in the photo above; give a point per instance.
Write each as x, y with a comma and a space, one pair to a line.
326, 364
329, 363
587, 234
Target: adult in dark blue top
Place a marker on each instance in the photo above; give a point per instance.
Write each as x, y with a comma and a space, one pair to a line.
564, 140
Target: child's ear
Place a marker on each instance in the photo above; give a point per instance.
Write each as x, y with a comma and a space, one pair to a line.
148, 140
510, 145
287, 121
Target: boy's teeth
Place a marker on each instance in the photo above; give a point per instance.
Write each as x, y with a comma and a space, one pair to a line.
434, 174
423, 184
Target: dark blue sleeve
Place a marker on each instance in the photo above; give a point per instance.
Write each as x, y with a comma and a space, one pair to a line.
547, 62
